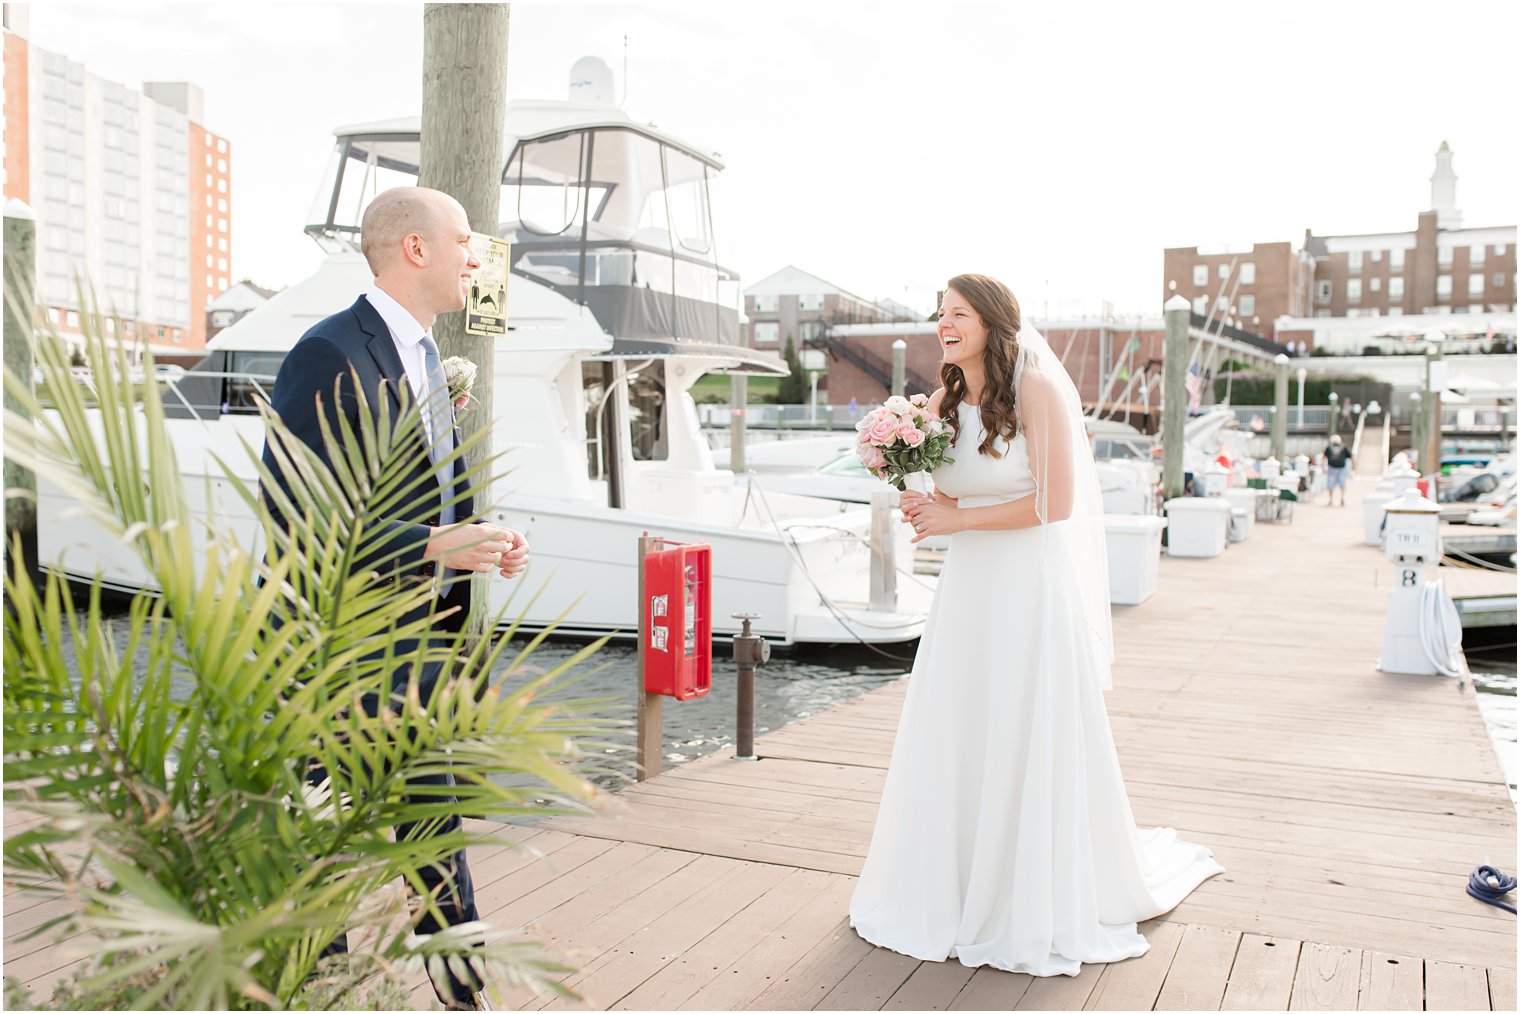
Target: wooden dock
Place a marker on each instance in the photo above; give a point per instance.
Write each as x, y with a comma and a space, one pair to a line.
1348, 807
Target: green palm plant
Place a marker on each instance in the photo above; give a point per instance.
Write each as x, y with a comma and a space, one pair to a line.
165, 772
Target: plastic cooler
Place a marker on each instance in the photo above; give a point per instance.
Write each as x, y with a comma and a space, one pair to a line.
1134, 556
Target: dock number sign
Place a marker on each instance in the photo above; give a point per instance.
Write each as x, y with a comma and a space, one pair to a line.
486, 312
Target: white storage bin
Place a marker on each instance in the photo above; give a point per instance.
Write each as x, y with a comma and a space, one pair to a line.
1134, 556
1197, 526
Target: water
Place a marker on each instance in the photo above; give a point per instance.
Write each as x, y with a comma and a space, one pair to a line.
787, 688
1494, 680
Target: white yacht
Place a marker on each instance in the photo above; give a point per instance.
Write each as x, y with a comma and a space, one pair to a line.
618, 302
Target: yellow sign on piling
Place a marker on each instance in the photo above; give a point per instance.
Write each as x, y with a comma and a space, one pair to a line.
486, 312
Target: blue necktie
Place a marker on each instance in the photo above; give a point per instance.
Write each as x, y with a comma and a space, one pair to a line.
436, 412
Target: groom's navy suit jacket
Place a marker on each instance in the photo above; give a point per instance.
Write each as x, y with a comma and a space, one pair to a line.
355, 345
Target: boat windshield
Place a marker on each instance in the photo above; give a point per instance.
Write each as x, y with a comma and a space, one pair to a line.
610, 217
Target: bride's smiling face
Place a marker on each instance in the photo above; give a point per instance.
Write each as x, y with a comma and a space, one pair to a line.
962, 335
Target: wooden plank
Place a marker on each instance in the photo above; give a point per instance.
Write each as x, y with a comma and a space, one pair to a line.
992, 989
725, 952
752, 973
1262, 976
1328, 978
1134, 984
810, 979
934, 985
870, 983
1450, 986
1200, 969
607, 979
1391, 982
1501, 989
1061, 992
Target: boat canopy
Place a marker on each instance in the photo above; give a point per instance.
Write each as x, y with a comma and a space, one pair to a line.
615, 215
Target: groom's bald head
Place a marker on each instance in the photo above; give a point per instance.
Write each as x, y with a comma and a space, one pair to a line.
396, 214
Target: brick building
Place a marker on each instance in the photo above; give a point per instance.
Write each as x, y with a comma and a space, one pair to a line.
1437, 268
794, 303
130, 190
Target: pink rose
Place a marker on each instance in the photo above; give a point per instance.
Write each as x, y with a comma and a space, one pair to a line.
911, 435
919, 400
872, 457
883, 429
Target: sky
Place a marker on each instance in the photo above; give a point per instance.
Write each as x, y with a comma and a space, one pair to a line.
888, 146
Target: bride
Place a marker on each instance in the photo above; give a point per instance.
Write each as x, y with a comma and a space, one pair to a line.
1004, 835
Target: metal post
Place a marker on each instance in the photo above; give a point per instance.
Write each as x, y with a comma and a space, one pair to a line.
813, 397
1280, 408
1174, 400
899, 366
1417, 425
651, 721
750, 650
20, 327
1435, 380
738, 420
883, 596
1302, 376
1334, 410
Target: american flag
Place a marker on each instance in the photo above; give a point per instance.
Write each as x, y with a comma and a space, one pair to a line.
1194, 388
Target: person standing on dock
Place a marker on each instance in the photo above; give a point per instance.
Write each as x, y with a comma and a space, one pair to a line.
417, 243
1337, 469
1005, 835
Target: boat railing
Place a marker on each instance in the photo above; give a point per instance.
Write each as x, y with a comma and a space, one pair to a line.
255, 388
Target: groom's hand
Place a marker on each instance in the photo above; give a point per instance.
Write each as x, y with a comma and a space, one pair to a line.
478, 547
515, 560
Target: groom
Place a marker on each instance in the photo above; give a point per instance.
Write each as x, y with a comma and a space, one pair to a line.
417, 243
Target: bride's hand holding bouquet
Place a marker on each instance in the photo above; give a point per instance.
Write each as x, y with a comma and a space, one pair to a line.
902, 443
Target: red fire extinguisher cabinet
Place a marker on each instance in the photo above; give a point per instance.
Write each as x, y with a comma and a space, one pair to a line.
677, 639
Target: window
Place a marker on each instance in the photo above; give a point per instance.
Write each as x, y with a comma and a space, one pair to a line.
209, 240
1200, 274
1224, 271
1475, 308
221, 186
1248, 274
1200, 305
1395, 311
1247, 305
1396, 287
1374, 285
766, 304
221, 264
767, 333
1443, 286
1475, 256
209, 219
1377, 256
208, 160
810, 301
221, 244
1323, 290
208, 285
208, 179
1498, 279
221, 225
1475, 285
1395, 260
1354, 290
221, 145
1500, 249
1443, 256
221, 204
1354, 262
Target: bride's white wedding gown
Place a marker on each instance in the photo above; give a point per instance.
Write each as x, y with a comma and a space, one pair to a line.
1004, 835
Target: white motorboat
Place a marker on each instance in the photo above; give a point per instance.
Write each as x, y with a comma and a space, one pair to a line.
618, 303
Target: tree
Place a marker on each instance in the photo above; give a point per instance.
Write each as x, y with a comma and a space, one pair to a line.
793, 388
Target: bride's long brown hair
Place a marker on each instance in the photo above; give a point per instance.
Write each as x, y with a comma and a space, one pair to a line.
999, 311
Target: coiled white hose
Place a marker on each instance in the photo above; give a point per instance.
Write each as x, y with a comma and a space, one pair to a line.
1440, 628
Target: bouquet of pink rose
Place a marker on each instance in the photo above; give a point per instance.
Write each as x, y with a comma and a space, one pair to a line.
902, 443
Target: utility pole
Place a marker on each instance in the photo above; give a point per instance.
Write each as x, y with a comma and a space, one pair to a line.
1174, 399
464, 113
